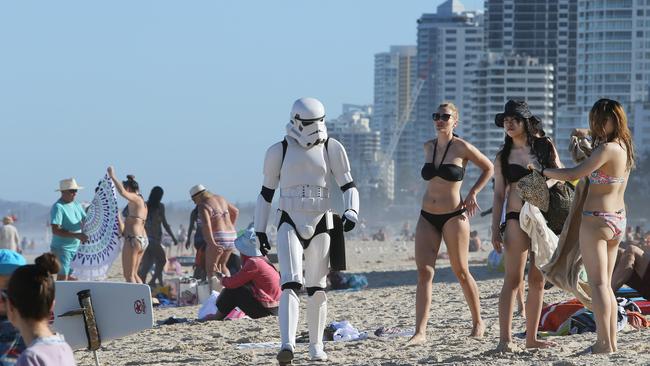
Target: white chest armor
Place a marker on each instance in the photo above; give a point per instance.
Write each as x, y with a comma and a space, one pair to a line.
303, 179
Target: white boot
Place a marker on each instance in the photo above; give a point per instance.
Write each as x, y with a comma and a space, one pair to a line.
288, 315
316, 317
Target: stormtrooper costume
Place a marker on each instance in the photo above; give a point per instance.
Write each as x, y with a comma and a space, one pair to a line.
300, 166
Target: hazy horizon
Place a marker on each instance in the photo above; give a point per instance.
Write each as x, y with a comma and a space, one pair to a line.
176, 94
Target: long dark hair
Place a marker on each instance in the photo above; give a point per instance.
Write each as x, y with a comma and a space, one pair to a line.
155, 197
31, 287
541, 147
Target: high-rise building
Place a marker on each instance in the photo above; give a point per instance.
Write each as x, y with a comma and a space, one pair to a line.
395, 76
449, 43
569, 117
641, 134
614, 59
500, 78
613, 51
363, 147
545, 29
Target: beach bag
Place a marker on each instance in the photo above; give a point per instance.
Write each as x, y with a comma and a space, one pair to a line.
495, 261
357, 282
209, 306
560, 195
560, 199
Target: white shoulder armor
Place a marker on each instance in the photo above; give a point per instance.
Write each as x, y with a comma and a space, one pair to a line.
339, 162
272, 166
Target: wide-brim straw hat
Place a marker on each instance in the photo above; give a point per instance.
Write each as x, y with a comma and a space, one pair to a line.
196, 190
68, 184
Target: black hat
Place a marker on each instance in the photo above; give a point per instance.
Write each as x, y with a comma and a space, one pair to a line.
516, 108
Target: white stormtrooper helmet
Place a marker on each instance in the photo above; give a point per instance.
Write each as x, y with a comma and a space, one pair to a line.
307, 124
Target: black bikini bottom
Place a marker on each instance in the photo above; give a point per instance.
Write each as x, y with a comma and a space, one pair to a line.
439, 220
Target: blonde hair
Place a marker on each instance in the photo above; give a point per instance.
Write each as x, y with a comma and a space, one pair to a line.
451, 106
205, 194
608, 109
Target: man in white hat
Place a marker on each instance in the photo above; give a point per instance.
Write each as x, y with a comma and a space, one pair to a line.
66, 217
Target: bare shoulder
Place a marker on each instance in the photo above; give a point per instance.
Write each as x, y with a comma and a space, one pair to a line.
612, 147
428, 145
463, 143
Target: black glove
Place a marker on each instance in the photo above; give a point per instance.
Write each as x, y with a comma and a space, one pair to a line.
347, 223
264, 243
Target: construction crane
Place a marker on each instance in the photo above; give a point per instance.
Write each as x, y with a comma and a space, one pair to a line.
383, 175
401, 123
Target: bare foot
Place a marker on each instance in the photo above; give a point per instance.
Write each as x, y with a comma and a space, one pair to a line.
507, 347
600, 349
478, 330
417, 339
540, 344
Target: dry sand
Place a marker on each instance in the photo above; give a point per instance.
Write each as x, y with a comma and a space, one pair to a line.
388, 301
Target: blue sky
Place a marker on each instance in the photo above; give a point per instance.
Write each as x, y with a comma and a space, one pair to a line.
176, 93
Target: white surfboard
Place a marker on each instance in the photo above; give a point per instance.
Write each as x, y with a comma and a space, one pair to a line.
120, 309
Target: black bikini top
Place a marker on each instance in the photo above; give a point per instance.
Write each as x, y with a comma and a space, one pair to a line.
448, 172
516, 172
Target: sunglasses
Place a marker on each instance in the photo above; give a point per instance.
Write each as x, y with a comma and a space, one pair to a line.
71, 191
442, 117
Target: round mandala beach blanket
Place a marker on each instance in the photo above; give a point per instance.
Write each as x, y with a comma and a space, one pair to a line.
94, 258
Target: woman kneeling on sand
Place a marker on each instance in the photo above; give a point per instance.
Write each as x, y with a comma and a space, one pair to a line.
445, 215
603, 219
255, 289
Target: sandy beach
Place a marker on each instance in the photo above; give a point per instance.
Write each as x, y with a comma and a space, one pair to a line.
389, 301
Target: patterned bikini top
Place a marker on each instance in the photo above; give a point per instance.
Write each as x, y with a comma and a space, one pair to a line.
212, 212
598, 177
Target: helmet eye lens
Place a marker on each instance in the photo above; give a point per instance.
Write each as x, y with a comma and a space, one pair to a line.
307, 123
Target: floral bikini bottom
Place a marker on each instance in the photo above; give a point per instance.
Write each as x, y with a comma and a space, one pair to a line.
615, 220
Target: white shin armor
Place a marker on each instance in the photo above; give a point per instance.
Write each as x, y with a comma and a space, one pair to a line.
288, 315
316, 318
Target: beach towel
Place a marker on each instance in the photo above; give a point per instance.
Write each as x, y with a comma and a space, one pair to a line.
94, 258
644, 306
554, 315
543, 241
571, 317
564, 269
